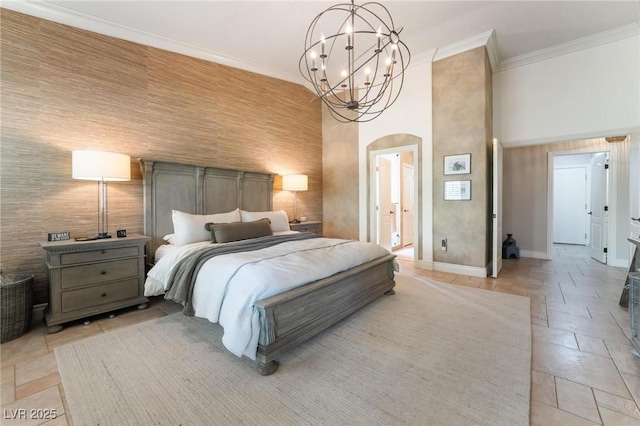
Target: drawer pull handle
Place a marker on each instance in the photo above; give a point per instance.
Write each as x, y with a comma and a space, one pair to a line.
104, 294
104, 252
103, 272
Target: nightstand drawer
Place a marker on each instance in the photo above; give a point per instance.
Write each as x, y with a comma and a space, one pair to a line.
309, 228
80, 276
97, 255
99, 295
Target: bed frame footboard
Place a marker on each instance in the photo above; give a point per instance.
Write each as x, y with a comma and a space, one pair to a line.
290, 318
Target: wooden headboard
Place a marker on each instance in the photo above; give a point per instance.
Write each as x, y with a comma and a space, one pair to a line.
197, 190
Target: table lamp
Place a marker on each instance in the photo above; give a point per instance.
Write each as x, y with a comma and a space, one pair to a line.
103, 167
295, 183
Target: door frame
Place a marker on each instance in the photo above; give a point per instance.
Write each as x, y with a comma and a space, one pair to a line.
497, 220
374, 225
550, 190
601, 254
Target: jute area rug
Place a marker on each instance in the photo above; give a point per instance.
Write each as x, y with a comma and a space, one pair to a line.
432, 354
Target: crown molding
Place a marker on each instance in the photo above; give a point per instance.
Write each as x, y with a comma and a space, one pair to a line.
61, 15
487, 39
492, 51
594, 40
423, 58
482, 39
571, 137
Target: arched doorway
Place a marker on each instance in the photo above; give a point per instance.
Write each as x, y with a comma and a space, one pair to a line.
389, 160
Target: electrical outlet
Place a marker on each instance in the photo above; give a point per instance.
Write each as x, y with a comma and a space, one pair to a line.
444, 244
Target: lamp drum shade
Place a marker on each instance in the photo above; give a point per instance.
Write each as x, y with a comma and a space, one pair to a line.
295, 182
100, 165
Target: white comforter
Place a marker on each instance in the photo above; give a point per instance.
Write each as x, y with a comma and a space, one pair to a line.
228, 285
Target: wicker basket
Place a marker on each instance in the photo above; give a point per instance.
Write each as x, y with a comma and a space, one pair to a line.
16, 306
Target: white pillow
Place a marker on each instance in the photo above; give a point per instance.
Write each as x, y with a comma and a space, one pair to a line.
189, 228
170, 238
279, 219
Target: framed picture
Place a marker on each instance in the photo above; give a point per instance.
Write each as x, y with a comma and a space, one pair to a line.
457, 190
457, 164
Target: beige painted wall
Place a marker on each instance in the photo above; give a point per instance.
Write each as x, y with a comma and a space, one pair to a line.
339, 177
64, 89
462, 125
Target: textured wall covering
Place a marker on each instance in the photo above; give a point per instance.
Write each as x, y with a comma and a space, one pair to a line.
64, 88
462, 125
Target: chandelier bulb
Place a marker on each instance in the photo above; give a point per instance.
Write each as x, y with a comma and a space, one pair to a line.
323, 42
313, 55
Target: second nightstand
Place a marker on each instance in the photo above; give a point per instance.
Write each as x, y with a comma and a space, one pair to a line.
309, 226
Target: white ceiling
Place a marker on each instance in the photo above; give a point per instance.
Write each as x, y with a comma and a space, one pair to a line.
268, 36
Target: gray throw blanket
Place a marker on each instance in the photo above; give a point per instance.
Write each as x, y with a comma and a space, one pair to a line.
183, 276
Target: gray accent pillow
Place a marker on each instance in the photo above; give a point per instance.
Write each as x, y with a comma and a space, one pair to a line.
236, 231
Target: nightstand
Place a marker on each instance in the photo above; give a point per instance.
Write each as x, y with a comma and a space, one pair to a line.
92, 277
308, 226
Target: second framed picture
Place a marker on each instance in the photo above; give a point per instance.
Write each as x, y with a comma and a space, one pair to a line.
457, 164
457, 190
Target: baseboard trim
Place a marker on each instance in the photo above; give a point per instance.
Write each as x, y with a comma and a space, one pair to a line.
534, 254
473, 271
424, 264
619, 263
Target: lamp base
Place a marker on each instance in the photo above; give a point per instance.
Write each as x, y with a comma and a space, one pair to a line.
102, 235
294, 221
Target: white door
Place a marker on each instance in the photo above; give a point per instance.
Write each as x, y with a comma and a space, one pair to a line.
570, 205
496, 261
598, 210
407, 204
385, 211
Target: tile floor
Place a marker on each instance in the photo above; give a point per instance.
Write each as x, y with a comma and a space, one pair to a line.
582, 369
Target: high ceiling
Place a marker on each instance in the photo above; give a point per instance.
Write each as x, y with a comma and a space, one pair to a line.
268, 36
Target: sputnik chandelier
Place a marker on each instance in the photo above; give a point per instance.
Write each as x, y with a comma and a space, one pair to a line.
358, 68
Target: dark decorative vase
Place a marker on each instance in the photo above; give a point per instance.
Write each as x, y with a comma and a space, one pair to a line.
509, 249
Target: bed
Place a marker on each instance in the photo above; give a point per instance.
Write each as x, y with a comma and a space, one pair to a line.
287, 318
